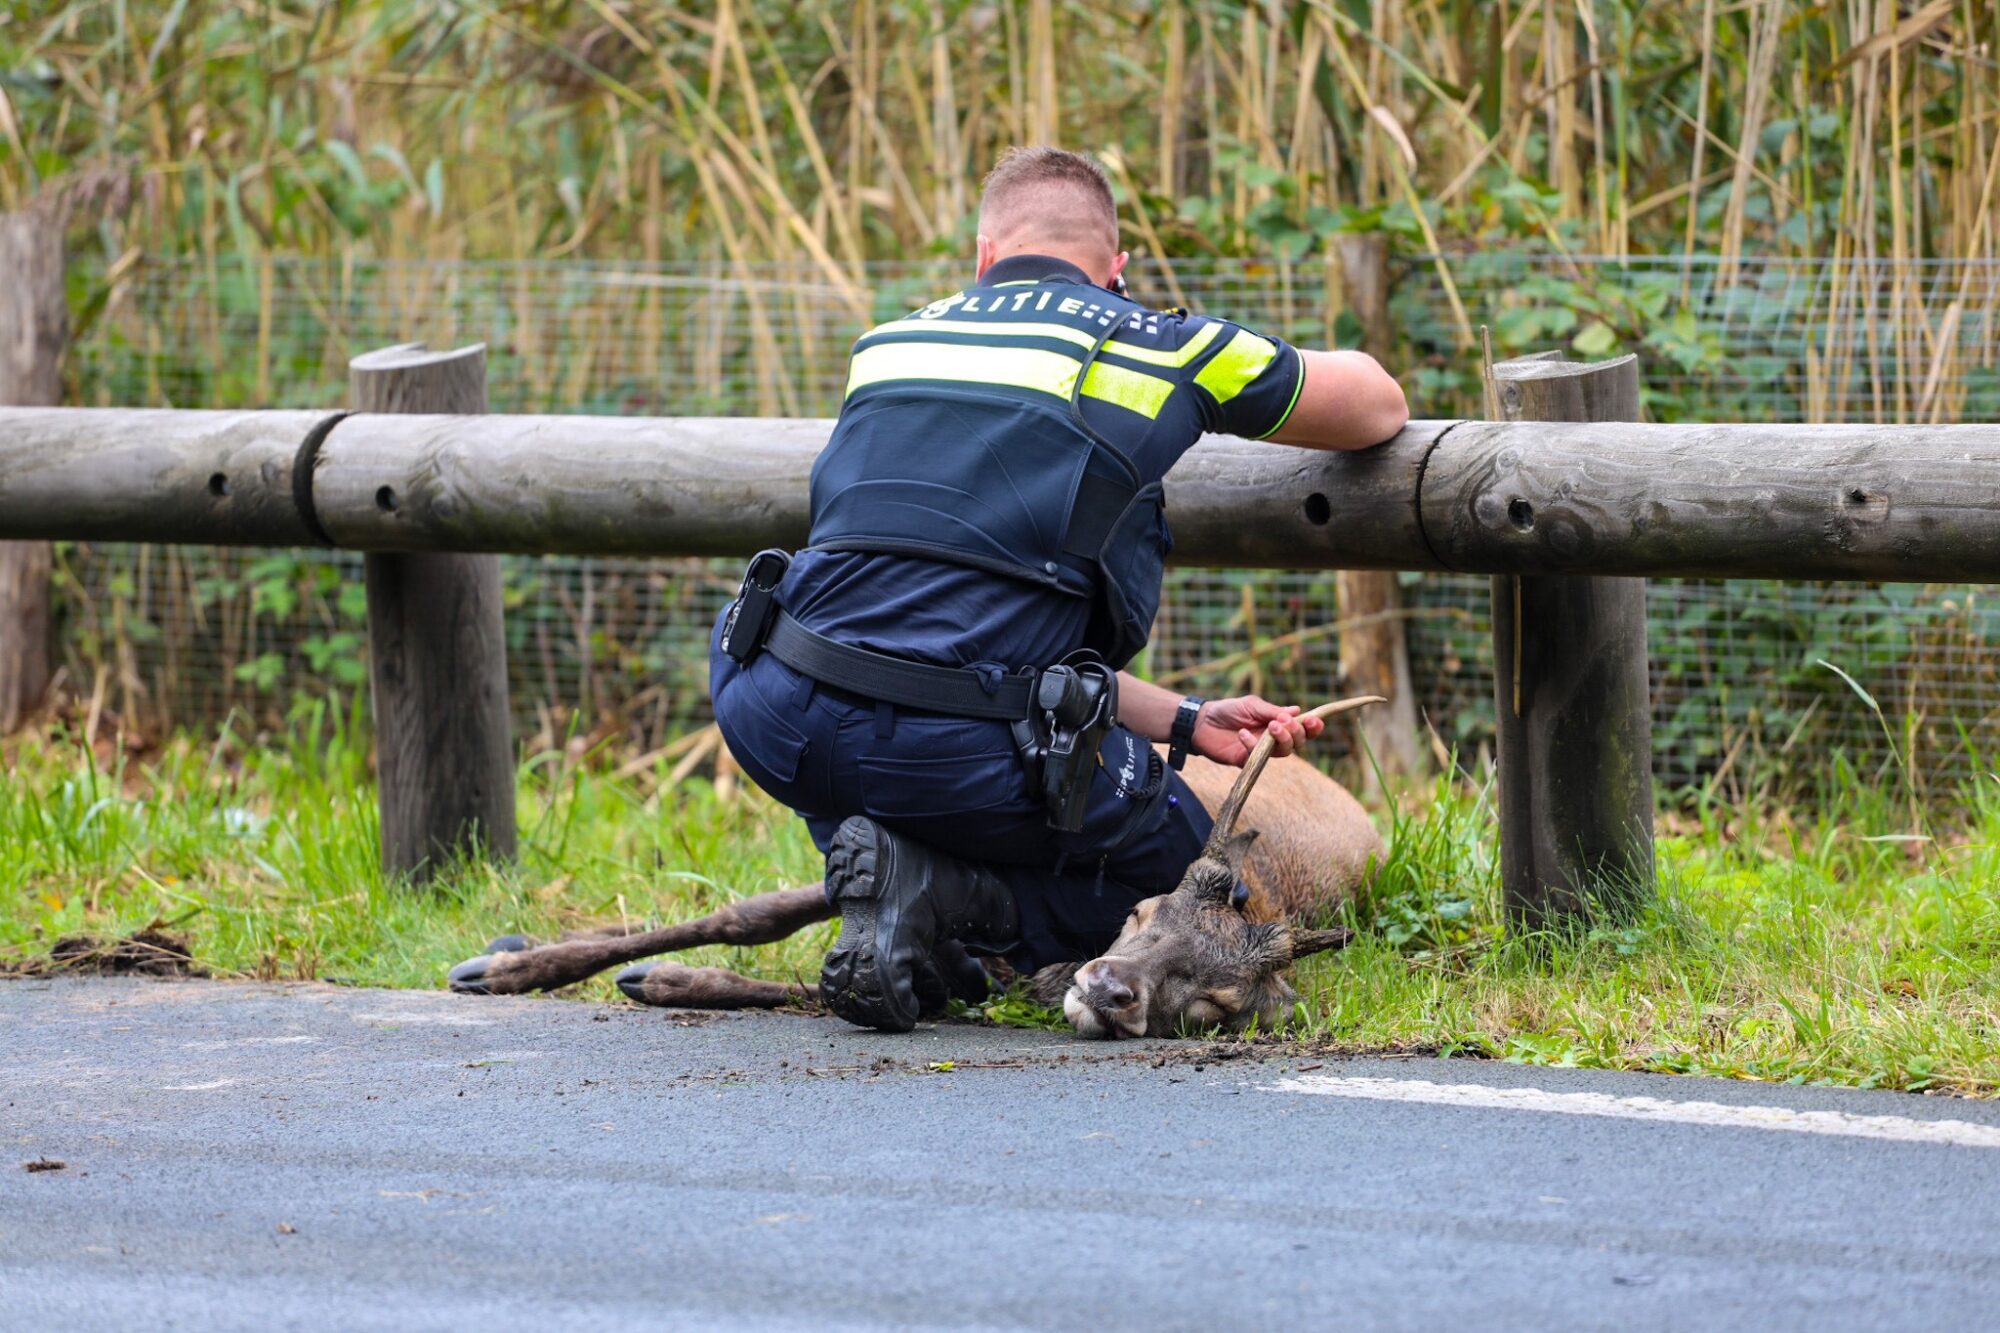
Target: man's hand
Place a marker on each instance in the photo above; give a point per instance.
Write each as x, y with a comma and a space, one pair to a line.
1228, 728
1224, 731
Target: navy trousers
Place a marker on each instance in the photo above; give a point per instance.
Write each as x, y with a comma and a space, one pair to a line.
959, 785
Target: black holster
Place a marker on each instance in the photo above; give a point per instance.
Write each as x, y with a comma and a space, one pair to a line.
1076, 703
756, 606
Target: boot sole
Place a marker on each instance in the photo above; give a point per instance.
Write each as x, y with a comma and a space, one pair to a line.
850, 982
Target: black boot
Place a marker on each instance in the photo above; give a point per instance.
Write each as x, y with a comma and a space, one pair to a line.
898, 899
963, 976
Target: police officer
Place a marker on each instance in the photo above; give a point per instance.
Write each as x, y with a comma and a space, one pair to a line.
934, 682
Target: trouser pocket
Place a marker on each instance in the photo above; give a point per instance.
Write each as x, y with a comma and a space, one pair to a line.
1128, 798
957, 784
766, 742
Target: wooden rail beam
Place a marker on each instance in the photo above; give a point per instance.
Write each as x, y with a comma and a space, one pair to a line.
157, 475
729, 486
1897, 503
1891, 503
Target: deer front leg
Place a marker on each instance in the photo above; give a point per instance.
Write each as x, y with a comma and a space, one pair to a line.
677, 986
521, 943
758, 920
949, 972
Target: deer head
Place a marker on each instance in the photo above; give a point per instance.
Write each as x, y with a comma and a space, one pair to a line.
1196, 957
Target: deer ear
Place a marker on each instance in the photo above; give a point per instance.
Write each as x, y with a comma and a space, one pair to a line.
1268, 947
1208, 881
1319, 941
1235, 849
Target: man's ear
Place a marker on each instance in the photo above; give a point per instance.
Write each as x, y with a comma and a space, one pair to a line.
1118, 265
984, 252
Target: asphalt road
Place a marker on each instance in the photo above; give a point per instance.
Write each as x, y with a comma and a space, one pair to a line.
306, 1157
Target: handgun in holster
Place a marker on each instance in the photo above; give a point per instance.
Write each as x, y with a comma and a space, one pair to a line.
756, 604
1076, 702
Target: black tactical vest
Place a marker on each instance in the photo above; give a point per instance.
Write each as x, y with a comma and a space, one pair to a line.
963, 439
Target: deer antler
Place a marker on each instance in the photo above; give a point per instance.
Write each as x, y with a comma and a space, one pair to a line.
1260, 754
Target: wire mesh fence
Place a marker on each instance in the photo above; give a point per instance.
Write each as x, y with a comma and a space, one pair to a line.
166, 636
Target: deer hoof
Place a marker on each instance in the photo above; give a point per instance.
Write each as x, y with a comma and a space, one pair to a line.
633, 982
469, 977
509, 944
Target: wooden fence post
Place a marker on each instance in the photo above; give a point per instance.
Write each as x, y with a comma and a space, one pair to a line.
1375, 655
1571, 693
34, 331
438, 652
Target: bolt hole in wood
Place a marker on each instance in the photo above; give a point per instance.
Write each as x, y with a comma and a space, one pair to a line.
385, 499
218, 486
1521, 514
1857, 496
1319, 510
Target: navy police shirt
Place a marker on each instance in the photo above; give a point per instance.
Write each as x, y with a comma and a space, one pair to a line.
1218, 377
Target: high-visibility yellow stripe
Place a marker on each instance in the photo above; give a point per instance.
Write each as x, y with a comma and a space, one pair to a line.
1173, 360
1053, 373
1015, 367
1241, 360
997, 328
1298, 387
1133, 390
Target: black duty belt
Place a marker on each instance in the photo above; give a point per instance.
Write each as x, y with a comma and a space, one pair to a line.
874, 675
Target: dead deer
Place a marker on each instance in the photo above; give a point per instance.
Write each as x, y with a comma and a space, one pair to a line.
1214, 952
1205, 955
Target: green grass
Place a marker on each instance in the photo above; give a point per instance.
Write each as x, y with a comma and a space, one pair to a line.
1789, 946
264, 853
1835, 944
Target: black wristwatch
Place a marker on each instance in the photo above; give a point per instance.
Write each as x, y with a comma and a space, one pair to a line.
1181, 739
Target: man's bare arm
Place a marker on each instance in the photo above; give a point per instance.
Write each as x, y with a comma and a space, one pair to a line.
1225, 730
1145, 707
1347, 402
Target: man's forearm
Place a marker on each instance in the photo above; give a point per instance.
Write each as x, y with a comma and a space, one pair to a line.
1347, 401
1145, 707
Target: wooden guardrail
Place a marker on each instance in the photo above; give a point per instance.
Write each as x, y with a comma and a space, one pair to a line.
1581, 495
1914, 503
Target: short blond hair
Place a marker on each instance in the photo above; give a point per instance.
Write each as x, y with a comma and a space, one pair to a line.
1051, 194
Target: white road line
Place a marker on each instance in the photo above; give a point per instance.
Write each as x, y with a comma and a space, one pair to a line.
416, 1017
1900, 1128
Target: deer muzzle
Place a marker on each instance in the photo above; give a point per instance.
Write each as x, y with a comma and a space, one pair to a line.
1104, 1002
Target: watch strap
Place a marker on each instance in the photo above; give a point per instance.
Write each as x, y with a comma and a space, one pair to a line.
1181, 739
